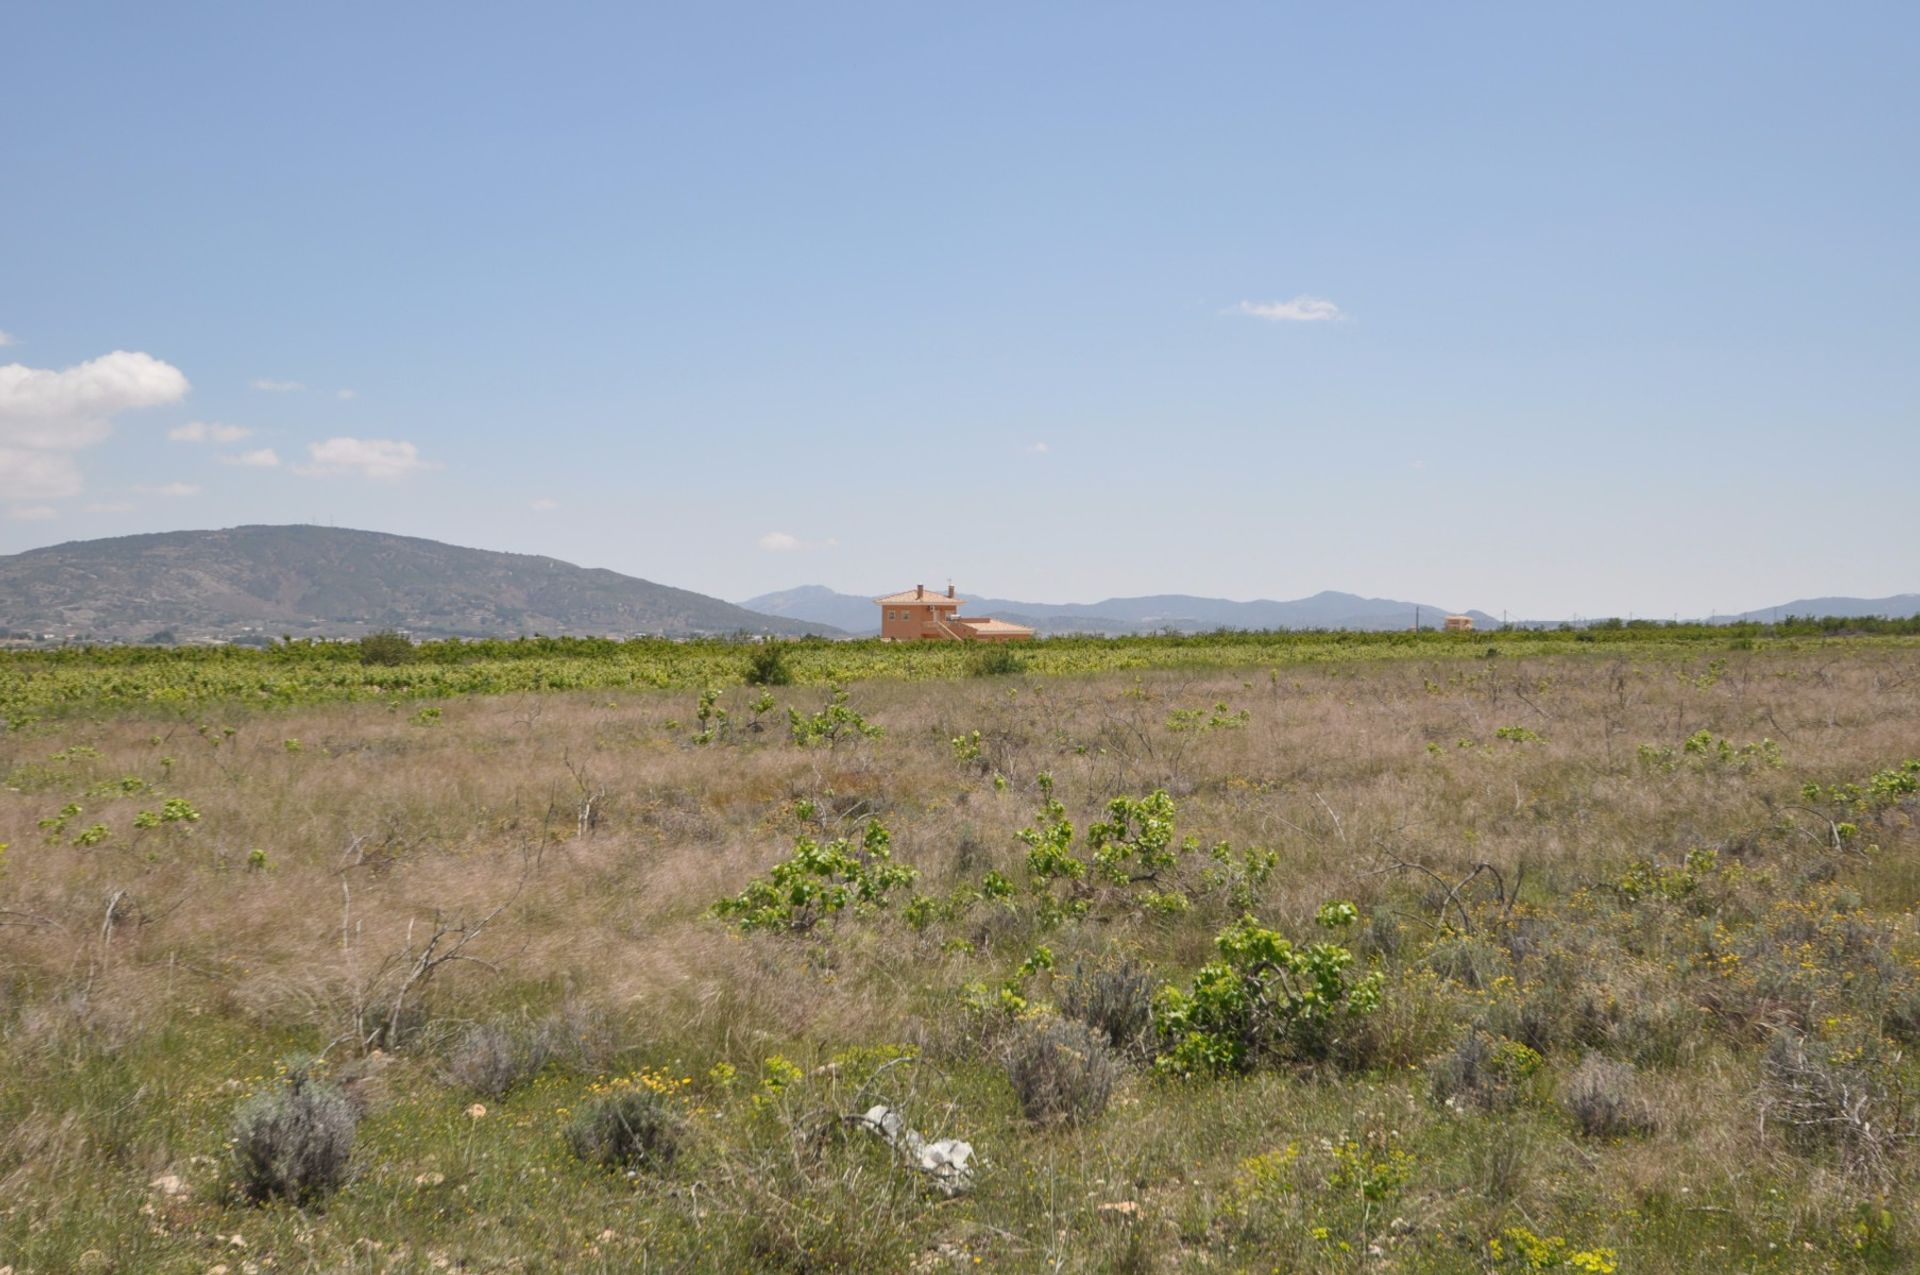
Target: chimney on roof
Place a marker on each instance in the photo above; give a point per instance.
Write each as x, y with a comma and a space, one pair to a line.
919, 590
949, 588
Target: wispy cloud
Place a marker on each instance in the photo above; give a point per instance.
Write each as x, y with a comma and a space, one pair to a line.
31, 513
47, 415
272, 386
543, 504
6, 338
1036, 449
787, 542
1301, 309
108, 507
346, 394
382, 459
263, 458
207, 432
169, 489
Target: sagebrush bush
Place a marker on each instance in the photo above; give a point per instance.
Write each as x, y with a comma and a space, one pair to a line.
1602, 1096
1062, 1071
1482, 1070
491, 1058
1117, 1002
626, 1129
293, 1143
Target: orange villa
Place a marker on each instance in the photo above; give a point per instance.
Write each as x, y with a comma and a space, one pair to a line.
915, 615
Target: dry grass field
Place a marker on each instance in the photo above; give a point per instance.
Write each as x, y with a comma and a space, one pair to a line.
1641, 928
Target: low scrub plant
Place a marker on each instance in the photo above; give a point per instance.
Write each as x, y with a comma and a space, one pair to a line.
293, 1143
1483, 1071
1116, 1001
492, 1058
629, 1127
1062, 1071
1602, 1097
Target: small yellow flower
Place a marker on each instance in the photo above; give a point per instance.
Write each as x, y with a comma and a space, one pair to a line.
477, 1111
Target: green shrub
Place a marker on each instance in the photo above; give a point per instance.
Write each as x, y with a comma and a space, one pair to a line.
767, 666
820, 879
1062, 1071
632, 1128
385, 648
997, 660
1264, 998
831, 725
293, 1143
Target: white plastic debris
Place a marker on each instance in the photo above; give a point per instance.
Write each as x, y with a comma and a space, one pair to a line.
949, 1161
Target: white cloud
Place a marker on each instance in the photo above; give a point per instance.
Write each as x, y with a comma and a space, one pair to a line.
277, 387
1036, 449
47, 414
31, 513
378, 458
264, 458
345, 394
169, 489
207, 432
543, 504
108, 507
6, 338
1301, 309
787, 542
31, 475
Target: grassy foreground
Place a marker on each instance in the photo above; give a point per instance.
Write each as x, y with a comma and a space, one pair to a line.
1639, 921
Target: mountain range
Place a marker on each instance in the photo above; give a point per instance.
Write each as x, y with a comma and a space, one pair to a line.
856, 613
313, 581
256, 582
1178, 611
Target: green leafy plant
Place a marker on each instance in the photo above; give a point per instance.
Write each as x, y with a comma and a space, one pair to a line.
174, 810
1264, 998
995, 660
387, 649
832, 725
767, 666
820, 879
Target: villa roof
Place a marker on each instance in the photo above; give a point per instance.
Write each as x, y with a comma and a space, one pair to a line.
994, 626
910, 596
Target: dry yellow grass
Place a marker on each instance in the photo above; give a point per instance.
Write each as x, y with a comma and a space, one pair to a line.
596, 837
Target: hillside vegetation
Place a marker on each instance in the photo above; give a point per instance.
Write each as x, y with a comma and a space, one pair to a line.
332, 581
1586, 956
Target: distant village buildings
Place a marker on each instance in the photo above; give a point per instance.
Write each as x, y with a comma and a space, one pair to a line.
1459, 624
915, 615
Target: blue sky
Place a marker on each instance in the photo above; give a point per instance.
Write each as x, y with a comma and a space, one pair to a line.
1543, 308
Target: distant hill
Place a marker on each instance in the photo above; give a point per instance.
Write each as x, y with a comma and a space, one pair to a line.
1898, 607
857, 614
335, 582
